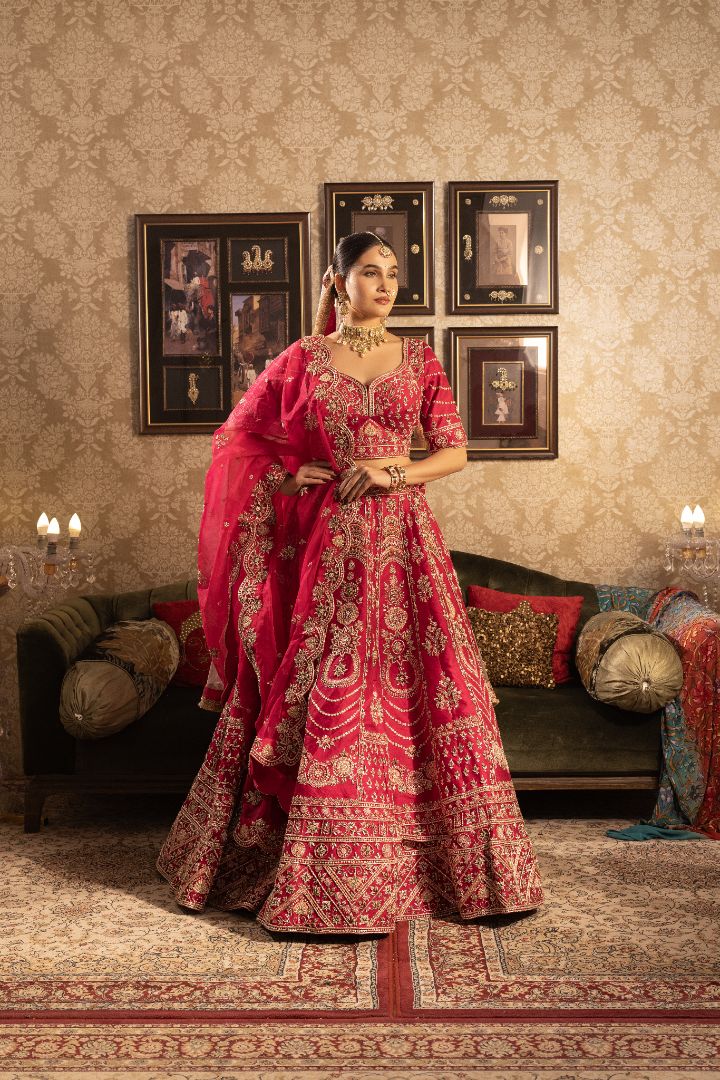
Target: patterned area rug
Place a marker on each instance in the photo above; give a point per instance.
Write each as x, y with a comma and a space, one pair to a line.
91, 933
90, 928
300, 1051
626, 926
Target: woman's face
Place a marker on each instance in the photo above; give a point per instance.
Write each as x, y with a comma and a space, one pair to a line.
371, 285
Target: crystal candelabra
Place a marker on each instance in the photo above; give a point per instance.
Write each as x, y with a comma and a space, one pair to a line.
694, 555
48, 569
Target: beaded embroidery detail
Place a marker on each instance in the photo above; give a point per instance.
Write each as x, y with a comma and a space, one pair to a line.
370, 420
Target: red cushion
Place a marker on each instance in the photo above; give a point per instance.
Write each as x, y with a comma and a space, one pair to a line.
567, 609
184, 617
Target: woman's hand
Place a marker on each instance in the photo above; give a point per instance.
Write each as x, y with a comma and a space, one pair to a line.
328, 277
311, 472
356, 482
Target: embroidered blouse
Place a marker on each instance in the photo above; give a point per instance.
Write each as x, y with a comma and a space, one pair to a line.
383, 414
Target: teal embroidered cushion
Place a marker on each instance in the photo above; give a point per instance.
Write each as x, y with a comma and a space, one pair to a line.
118, 678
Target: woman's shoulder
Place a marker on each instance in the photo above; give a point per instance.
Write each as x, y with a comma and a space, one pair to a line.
292, 352
418, 343
308, 343
312, 351
420, 353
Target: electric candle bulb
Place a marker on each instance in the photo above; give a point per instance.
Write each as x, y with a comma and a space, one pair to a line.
42, 525
686, 519
74, 527
698, 517
52, 535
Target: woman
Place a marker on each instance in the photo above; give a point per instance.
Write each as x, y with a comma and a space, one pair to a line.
356, 775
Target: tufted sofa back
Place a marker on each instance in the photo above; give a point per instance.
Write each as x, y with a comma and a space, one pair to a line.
138, 604
513, 578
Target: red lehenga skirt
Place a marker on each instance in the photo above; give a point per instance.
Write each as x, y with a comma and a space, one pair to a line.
371, 786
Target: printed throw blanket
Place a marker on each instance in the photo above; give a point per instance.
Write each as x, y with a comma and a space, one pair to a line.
689, 791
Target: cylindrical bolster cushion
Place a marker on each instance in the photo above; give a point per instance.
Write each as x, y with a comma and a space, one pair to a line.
624, 661
118, 678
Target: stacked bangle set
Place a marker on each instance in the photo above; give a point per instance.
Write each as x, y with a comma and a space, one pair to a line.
397, 477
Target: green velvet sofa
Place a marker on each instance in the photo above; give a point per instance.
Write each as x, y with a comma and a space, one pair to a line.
558, 738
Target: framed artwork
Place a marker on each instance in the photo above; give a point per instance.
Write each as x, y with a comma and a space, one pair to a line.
260, 332
219, 296
505, 384
402, 214
418, 446
503, 247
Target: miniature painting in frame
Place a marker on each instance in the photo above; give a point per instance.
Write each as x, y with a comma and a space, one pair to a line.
189, 294
505, 384
503, 247
219, 296
402, 214
259, 334
418, 446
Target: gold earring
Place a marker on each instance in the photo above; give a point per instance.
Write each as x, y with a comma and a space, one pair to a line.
344, 304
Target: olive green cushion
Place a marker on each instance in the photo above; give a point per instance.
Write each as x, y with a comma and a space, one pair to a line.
118, 678
625, 662
48, 644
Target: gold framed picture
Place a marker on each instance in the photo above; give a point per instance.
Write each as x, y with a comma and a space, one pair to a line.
402, 214
505, 384
503, 247
219, 296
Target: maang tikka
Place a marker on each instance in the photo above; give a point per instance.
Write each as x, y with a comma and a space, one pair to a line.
384, 249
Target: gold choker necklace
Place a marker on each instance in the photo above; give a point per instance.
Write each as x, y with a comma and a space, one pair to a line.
361, 338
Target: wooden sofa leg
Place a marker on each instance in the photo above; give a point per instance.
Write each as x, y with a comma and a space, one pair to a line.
34, 801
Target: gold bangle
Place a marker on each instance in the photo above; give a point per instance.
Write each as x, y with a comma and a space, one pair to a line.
397, 477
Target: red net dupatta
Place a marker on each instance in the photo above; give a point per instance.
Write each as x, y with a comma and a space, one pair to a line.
249, 550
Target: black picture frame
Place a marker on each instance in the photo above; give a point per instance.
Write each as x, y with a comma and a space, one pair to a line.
504, 380
404, 214
219, 295
503, 247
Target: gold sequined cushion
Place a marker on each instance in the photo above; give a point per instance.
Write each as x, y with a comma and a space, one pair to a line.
624, 661
517, 646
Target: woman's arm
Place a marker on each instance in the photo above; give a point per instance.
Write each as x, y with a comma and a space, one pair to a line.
289, 485
366, 477
441, 463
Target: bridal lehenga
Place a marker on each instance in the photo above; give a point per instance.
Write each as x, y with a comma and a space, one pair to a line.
356, 775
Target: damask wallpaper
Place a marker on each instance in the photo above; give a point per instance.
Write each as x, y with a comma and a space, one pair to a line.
113, 107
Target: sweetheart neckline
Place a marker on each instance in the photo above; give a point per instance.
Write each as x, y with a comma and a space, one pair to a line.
382, 375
